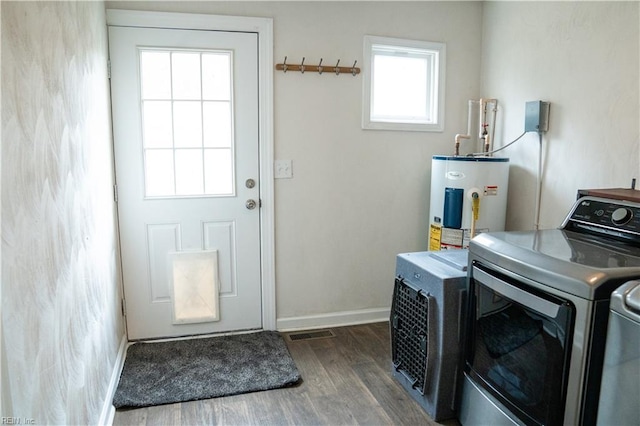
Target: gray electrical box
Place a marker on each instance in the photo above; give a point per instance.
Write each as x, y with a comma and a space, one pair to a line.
536, 116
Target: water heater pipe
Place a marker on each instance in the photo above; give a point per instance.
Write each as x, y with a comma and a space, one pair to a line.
457, 143
483, 118
493, 124
483, 124
468, 134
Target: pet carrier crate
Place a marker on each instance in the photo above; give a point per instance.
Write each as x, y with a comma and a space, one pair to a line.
427, 327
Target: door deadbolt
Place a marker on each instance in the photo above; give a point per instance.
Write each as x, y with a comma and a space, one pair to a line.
250, 183
250, 204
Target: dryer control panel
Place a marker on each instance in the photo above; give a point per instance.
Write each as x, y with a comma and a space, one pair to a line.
615, 219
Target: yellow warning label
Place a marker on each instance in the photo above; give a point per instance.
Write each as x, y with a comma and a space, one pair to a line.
435, 234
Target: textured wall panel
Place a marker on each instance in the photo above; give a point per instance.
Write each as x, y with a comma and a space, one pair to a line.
61, 320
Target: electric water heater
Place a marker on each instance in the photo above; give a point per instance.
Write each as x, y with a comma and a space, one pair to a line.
468, 196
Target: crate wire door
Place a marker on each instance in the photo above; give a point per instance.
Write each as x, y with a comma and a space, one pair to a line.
412, 331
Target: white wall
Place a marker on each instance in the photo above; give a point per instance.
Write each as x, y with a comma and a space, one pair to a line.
357, 197
61, 321
583, 57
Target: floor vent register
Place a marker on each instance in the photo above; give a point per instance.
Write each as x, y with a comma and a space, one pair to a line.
309, 335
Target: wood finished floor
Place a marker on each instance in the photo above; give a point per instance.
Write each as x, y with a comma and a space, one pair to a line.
346, 381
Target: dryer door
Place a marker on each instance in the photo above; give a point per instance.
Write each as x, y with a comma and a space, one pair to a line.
520, 345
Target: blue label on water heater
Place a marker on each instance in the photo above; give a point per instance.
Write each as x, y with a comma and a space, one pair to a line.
453, 198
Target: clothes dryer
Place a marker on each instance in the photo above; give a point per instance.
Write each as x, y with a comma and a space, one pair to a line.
538, 312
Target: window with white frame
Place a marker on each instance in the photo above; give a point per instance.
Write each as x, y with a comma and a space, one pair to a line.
403, 84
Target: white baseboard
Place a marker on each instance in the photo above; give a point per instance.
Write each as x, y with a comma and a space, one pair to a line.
333, 319
108, 410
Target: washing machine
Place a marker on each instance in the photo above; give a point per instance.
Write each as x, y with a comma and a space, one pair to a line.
538, 315
620, 389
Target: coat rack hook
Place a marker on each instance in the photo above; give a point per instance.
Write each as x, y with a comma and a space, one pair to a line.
353, 68
284, 64
337, 70
320, 67
302, 66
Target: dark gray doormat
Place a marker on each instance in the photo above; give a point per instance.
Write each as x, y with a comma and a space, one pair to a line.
187, 370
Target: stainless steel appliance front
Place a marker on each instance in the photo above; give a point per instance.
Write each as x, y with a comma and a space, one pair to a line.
538, 312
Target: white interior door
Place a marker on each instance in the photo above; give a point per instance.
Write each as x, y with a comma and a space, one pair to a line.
185, 117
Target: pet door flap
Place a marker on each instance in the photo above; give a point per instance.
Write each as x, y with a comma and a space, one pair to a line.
195, 284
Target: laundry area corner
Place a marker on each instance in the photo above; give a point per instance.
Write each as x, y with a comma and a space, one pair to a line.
432, 205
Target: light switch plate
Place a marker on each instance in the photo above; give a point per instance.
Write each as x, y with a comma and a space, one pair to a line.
283, 169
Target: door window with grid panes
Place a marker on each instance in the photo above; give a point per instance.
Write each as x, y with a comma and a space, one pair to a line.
187, 112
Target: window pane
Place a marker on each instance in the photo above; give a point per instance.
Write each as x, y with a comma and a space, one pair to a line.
189, 172
400, 87
217, 124
186, 75
404, 84
187, 124
177, 123
218, 171
155, 75
157, 129
159, 172
216, 76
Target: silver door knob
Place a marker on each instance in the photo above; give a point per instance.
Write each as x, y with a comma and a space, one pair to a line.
250, 204
250, 183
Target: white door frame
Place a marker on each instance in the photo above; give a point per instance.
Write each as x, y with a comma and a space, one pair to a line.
264, 28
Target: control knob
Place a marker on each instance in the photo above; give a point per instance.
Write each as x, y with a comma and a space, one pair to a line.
621, 215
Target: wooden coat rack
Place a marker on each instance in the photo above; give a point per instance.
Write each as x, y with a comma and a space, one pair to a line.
337, 69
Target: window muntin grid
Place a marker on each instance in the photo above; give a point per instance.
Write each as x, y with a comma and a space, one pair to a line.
187, 130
